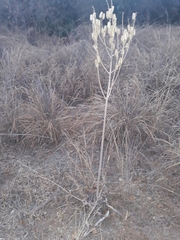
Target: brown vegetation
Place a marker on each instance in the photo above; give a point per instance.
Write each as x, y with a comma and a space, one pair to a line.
52, 111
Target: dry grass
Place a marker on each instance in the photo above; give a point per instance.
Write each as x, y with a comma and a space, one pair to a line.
52, 112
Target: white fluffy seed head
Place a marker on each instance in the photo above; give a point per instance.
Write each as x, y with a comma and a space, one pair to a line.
111, 35
91, 17
107, 14
134, 16
101, 14
111, 10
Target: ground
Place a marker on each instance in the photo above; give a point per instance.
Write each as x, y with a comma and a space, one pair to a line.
35, 206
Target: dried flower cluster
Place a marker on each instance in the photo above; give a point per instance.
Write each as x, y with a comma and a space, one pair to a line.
118, 41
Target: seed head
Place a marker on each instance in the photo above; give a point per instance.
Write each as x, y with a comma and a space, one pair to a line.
134, 16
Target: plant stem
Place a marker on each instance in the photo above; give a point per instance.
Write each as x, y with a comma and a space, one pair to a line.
104, 125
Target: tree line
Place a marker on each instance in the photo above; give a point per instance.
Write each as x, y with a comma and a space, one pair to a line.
61, 16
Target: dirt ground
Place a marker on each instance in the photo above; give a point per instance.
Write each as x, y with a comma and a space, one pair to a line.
40, 199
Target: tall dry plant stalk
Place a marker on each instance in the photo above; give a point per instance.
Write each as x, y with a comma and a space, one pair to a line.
116, 43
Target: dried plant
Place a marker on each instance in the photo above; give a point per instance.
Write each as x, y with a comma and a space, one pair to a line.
116, 43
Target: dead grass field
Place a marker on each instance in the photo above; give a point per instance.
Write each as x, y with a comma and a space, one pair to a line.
51, 113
